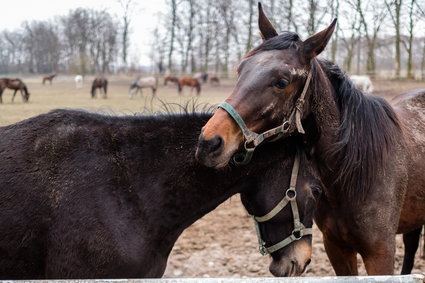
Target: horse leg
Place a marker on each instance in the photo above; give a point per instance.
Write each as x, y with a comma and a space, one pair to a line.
379, 255
411, 243
1, 95
13, 96
343, 259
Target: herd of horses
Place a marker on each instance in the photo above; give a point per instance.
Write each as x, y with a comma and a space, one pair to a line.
86, 195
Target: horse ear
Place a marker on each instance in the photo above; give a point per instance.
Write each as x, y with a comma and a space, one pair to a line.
315, 44
266, 28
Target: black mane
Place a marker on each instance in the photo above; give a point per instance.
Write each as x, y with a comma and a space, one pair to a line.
369, 130
286, 40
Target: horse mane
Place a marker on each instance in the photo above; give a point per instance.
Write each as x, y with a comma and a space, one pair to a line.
369, 130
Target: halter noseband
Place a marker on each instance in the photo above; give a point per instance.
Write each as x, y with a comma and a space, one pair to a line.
290, 197
252, 139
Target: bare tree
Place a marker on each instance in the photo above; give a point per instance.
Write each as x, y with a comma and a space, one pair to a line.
394, 9
173, 6
128, 7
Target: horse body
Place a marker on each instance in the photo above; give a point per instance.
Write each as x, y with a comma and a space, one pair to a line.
143, 82
49, 78
363, 83
201, 76
192, 82
91, 196
214, 80
362, 144
99, 83
78, 81
14, 84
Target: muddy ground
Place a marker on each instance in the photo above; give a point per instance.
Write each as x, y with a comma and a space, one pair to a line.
224, 243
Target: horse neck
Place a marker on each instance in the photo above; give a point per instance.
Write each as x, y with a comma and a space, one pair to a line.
325, 111
182, 191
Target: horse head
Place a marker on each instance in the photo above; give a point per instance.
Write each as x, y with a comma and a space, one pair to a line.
273, 82
282, 205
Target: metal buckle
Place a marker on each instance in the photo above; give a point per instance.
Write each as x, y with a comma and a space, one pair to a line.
263, 250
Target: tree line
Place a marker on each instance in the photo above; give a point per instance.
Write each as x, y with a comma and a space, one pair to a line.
384, 38
378, 38
84, 41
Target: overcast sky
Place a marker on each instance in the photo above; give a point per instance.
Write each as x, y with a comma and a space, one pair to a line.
144, 20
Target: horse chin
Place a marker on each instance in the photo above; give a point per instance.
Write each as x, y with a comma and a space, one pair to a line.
207, 160
294, 263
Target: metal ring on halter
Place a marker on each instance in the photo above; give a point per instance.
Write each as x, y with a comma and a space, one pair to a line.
291, 190
300, 235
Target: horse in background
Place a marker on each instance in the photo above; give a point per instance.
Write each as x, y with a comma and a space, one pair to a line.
201, 76
363, 83
171, 79
214, 80
14, 84
79, 80
192, 82
99, 83
143, 82
48, 79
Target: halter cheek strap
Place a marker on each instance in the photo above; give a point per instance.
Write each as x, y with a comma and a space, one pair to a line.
299, 229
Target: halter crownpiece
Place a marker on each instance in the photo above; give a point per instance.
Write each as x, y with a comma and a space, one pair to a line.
290, 197
252, 139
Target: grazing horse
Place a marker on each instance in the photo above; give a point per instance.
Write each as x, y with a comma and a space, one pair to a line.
14, 84
370, 154
201, 77
49, 78
363, 83
79, 81
140, 83
214, 80
85, 195
192, 82
171, 79
99, 83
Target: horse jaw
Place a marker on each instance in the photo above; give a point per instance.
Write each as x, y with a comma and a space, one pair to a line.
294, 263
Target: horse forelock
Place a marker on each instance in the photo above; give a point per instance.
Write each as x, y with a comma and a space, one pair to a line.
369, 130
285, 40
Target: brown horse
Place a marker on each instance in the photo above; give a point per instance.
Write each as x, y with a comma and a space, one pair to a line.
171, 79
214, 80
49, 78
99, 83
192, 82
14, 84
370, 153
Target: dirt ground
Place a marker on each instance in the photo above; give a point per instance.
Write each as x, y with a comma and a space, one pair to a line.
223, 243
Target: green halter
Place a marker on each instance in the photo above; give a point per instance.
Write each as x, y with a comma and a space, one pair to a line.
290, 197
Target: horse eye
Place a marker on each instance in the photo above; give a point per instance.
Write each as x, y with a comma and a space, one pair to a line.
281, 83
316, 191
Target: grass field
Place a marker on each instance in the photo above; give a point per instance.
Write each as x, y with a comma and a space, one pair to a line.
63, 94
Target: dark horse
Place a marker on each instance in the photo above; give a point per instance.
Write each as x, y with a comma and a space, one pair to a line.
370, 154
99, 83
48, 78
85, 195
192, 82
14, 84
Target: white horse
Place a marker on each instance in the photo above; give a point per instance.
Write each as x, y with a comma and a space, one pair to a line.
79, 81
145, 82
363, 83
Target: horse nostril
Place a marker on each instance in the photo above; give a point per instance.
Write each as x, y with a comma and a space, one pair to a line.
216, 143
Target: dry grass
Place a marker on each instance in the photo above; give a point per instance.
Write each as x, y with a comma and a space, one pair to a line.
63, 94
